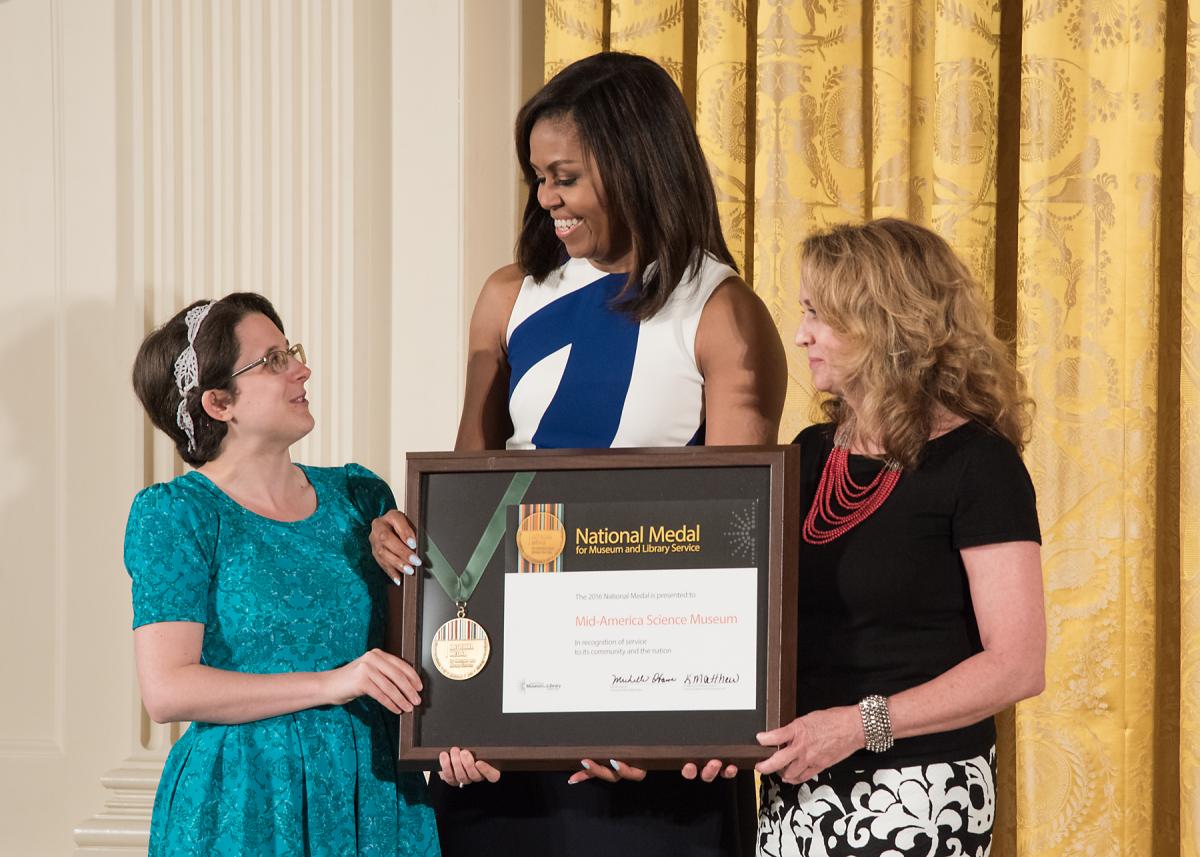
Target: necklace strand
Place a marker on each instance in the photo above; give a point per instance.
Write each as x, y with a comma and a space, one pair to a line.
824, 522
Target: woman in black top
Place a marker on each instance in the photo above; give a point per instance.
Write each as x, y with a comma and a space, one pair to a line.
920, 592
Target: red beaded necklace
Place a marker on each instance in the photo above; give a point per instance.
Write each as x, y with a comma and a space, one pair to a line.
824, 522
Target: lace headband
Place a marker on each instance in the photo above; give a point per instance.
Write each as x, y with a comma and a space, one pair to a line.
187, 371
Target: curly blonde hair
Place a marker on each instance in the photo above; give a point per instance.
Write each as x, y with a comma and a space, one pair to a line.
919, 335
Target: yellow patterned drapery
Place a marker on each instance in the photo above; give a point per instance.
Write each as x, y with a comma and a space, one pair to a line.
1056, 144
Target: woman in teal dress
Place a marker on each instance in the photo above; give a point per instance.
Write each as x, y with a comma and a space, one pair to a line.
259, 614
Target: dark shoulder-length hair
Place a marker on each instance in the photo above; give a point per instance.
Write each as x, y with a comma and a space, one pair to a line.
634, 126
217, 350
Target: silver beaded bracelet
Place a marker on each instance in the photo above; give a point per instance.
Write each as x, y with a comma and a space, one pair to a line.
877, 723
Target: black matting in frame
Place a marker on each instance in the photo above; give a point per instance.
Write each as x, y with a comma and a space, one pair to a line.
454, 507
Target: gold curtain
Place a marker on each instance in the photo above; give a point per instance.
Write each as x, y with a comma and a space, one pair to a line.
1056, 145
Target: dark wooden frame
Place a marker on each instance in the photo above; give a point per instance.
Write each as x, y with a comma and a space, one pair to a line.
782, 558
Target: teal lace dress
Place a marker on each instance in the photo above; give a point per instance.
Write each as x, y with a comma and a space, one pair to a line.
276, 597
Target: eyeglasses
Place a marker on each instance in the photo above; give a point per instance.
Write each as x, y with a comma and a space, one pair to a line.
277, 361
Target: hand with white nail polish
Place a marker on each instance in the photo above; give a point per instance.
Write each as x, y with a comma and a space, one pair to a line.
393, 544
609, 773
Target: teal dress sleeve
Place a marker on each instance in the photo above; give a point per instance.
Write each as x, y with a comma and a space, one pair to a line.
170, 543
370, 494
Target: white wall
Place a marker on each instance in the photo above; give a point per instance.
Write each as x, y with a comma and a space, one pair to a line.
70, 441
350, 159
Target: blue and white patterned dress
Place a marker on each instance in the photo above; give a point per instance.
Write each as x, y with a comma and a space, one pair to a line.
586, 377
276, 597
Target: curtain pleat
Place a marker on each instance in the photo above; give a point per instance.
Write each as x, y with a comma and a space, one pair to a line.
1088, 292
1189, 450
724, 87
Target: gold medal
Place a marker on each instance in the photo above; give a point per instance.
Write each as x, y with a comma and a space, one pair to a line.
460, 647
541, 537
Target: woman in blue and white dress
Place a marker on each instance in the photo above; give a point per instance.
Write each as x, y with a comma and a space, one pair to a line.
623, 323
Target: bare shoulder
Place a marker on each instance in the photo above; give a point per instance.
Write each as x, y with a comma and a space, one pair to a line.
735, 297
507, 279
733, 313
500, 290
495, 304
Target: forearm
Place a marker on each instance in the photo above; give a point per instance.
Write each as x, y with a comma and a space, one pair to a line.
965, 694
199, 692
975, 689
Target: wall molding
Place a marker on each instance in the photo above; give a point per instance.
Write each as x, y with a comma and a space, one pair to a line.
61, 364
17, 748
123, 825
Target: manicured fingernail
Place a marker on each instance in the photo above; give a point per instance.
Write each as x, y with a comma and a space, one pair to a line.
408, 569
616, 766
460, 785
397, 581
414, 559
586, 765
411, 542
574, 782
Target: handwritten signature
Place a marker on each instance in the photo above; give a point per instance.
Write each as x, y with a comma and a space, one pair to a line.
689, 679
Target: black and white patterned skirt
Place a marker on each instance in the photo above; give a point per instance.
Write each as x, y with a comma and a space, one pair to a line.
944, 809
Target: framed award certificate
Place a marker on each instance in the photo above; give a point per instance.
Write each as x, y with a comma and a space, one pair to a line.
627, 604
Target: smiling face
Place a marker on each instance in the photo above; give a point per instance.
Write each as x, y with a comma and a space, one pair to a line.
570, 190
268, 409
828, 352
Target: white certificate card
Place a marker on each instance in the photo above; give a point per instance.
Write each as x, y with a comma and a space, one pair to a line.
648, 640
